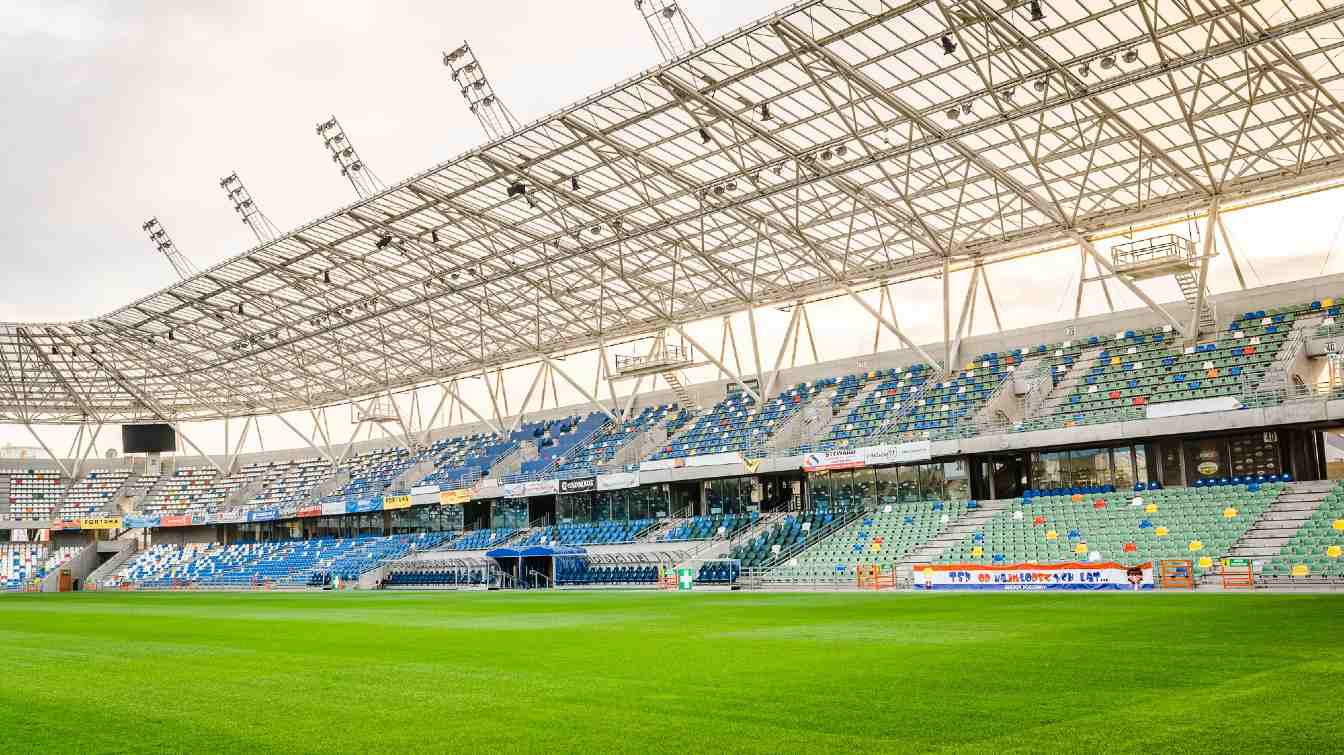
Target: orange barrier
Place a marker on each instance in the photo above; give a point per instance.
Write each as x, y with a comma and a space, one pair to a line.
1176, 574
870, 577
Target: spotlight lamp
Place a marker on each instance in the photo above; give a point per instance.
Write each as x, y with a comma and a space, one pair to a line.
1034, 8
949, 46
1084, 70
1130, 57
842, 150
1107, 62
1040, 84
953, 113
965, 108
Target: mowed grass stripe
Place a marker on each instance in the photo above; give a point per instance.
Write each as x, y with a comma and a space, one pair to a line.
642, 672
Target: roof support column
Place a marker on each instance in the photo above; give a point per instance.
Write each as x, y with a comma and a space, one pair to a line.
555, 368
891, 326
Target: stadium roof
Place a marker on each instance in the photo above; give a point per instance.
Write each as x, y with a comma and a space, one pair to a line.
827, 147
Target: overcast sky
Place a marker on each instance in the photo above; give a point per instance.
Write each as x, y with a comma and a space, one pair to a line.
118, 111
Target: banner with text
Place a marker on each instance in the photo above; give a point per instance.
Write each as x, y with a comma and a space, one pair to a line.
454, 497
618, 481
1101, 575
391, 502
578, 485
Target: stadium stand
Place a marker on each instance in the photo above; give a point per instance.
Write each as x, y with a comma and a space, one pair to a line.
294, 563
92, 495
596, 533
1181, 523
372, 471
1315, 553
601, 447
579, 571
23, 563
555, 438
721, 526
293, 483
476, 540
735, 424
464, 459
883, 537
185, 491
34, 494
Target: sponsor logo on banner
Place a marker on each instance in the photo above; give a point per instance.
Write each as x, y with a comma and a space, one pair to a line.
514, 490
200, 520
262, 515
230, 516
133, 521
618, 481
752, 464
1100, 575
101, 523
579, 485
817, 462
175, 521
396, 502
306, 512
332, 508
365, 506
454, 497
898, 453
60, 524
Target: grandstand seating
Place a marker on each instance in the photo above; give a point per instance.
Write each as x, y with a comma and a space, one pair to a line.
883, 538
580, 571
596, 533
461, 459
285, 563
186, 491
792, 530
476, 540
736, 424
90, 496
293, 483
435, 577
34, 494
712, 526
372, 471
603, 446
1178, 523
22, 563
1316, 550
555, 437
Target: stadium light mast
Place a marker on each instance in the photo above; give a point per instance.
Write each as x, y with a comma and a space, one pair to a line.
494, 115
261, 226
343, 153
165, 245
671, 28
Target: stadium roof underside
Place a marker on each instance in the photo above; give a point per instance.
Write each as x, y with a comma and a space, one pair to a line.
830, 146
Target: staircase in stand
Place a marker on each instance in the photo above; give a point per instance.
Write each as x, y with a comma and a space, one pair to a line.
1296, 504
1188, 280
684, 397
1072, 377
954, 532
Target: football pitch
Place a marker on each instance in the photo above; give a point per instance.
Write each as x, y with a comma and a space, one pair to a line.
667, 672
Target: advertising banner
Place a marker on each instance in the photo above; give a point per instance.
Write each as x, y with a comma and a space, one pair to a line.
618, 481
656, 464
455, 497
307, 512
578, 485
541, 487
133, 521
391, 502
175, 521
230, 516
59, 524
364, 507
331, 508
1101, 575
824, 460
262, 515
101, 523
897, 453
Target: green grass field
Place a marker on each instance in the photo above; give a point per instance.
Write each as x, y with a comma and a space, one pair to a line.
686, 673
